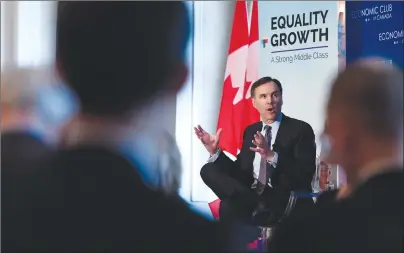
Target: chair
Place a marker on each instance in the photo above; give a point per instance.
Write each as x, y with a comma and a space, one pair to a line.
267, 230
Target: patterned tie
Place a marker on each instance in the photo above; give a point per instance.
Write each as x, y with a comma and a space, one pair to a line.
263, 174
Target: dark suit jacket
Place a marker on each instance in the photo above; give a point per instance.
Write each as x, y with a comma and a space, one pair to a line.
90, 199
370, 220
296, 148
327, 198
21, 151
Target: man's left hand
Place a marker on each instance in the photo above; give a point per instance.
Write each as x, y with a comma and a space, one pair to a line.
262, 146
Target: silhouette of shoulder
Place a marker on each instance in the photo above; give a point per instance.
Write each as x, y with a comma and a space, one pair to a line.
93, 198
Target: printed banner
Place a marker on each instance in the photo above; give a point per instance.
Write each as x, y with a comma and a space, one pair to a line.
375, 29
300, 49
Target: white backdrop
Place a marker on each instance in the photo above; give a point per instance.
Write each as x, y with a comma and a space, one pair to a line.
305, 82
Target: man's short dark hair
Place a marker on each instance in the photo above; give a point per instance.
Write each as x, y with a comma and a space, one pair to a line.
264, 80
117, 54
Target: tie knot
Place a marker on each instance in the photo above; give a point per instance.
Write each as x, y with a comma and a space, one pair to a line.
267, 127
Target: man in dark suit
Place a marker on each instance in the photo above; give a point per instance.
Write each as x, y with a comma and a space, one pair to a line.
92, 195
365, 132
278, 156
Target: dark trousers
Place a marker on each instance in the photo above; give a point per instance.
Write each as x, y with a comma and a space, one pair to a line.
238, 200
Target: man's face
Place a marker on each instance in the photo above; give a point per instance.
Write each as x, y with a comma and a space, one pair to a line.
325, 172
268, 101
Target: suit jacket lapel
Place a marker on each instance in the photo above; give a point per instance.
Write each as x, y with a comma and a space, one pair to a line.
256, 127
282, 135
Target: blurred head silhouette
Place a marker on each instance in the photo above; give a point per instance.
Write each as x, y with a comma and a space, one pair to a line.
117, 55
19, 88
365, 116
32, 99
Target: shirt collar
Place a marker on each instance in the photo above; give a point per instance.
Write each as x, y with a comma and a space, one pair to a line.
275, 123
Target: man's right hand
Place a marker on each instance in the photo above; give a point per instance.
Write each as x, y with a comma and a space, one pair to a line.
210, 141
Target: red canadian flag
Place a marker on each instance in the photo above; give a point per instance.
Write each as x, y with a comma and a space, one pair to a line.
236, 110
250, 114
232, 106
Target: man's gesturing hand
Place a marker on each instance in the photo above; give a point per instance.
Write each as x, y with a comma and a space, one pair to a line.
262, 146
210, 141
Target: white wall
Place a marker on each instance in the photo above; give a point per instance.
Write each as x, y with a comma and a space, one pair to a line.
2, 33
199, 102
305, 82
183, 114
27, 33
35, 33
8, 32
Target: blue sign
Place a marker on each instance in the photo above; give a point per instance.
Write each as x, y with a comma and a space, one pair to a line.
375, 29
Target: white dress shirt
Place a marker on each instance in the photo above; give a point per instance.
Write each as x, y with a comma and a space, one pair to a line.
257, 158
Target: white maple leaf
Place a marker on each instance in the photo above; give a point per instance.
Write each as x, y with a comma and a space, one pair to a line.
236, 69
252, 65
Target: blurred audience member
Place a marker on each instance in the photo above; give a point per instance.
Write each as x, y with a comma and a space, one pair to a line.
92, 196
365, 123
19, 90
34, 103
24, 137
27, 132
321, 180
324, 177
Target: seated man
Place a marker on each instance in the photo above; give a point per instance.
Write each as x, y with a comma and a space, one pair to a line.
278, 156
